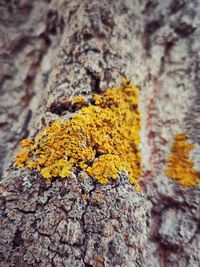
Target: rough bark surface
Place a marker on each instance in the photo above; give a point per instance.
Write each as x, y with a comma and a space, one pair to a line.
154, 43
30, 35
52, 223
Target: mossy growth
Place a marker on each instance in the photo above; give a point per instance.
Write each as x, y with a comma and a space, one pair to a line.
101, 139
179, 164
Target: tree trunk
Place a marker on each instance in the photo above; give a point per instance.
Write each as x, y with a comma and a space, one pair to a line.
96, 43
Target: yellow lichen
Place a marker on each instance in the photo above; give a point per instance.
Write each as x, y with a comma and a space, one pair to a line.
101, 139
79, 101
180, 166
107, 166
22, 158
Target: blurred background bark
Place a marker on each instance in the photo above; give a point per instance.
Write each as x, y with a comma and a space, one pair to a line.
52, 50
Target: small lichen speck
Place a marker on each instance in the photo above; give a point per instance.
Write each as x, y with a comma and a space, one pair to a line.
179, 165
101, 139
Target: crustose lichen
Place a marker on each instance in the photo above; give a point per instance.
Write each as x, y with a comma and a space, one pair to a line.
101, 139
180, 166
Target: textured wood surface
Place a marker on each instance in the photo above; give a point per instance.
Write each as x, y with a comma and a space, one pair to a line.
156, 45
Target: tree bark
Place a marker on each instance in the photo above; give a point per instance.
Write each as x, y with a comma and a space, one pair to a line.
156, 45
50, 223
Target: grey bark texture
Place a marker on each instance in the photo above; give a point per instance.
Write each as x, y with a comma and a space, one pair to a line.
53, 50
50, 223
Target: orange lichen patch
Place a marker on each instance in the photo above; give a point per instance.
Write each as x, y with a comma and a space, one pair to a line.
107, 166
79, 101
26, 143
22, 158
180, 167
101, 139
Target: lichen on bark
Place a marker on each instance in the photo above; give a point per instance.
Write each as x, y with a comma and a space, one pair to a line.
76, 221
179, 165
101, 139
156, 45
